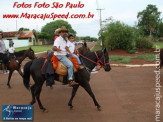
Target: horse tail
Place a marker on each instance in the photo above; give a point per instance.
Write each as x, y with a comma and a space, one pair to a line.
26, 77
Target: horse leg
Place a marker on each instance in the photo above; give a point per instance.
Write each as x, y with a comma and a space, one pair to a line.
9, 77
33, 87
20, 72
87, 87
37, 94
74, 90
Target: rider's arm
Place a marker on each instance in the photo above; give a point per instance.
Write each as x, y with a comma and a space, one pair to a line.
68, 50
56, 49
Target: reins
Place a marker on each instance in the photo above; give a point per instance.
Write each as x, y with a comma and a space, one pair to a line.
98, 63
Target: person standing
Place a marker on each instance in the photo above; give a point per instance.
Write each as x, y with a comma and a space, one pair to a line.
2, 52
2, 47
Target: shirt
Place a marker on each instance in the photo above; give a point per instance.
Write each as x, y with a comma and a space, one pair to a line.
11, 49
71, 46
60, 42
2, 46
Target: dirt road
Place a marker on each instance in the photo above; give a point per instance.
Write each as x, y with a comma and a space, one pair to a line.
125, 94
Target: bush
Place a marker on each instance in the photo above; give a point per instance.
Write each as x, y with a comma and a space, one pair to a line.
144, 42
120, 36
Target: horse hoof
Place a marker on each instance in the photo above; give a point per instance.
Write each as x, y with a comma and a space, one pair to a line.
71, 106
31, 103
9, 87
45, 111
51, 87
99, 108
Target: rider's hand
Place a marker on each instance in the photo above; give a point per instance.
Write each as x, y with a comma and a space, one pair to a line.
70, 54
58, 49
76, 51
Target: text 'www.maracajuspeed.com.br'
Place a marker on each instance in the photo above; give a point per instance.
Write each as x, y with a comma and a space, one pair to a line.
52, 16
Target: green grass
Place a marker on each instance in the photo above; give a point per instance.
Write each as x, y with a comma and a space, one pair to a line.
97, 47
127, 59
36, 48
120, 59
160, 44
147, 57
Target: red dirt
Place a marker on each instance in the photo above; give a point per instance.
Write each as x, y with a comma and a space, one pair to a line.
125, 94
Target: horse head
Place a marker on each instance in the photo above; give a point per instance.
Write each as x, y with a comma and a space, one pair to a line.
30, 53
84, 49
105, 60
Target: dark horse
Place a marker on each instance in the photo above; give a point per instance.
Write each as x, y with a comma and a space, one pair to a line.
15, 61
89, 60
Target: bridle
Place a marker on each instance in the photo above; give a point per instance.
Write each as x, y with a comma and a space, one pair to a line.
99, 62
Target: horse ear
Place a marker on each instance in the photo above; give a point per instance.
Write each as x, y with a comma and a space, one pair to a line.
30, 48
85, 44
104, 50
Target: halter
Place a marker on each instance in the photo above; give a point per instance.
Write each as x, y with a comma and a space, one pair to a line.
99, 62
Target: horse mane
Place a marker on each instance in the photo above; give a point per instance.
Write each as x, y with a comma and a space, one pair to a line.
19, 53
92, 54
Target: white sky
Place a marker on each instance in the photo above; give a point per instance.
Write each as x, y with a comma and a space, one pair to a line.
123, 10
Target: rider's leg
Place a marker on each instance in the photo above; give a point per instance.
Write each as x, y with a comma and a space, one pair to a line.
79, 62
69, 66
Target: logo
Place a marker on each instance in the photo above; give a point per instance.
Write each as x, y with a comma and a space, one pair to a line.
17, 112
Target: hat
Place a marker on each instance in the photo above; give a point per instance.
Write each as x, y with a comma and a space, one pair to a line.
57, 30
63, 29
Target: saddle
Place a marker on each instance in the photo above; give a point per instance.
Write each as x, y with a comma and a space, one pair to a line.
60, 68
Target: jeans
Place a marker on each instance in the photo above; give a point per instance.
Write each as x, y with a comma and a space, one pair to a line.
68, 64
73, 55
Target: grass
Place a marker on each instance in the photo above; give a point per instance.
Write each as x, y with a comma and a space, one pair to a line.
160, 44
36, 48
97, 47
127, 59
120, 59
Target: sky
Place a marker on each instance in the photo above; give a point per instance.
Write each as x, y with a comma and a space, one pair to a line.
122, 10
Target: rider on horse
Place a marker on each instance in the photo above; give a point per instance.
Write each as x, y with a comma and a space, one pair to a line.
3, 55
60, 52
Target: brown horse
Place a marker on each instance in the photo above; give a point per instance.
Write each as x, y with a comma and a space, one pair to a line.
14, 63
84, 49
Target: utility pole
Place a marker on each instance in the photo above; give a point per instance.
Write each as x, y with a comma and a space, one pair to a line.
101, 26
16, 25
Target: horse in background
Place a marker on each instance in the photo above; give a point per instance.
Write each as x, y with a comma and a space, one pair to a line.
15, 61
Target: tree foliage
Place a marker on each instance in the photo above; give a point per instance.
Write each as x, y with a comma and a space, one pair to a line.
149, 19
88, 38
119, 35
23, 29
50, 28
161, 29
43, 35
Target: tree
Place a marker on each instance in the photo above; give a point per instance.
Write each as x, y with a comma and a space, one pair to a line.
23, 29
119, 35
161, 29
149, 19
43, 35
52, 26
